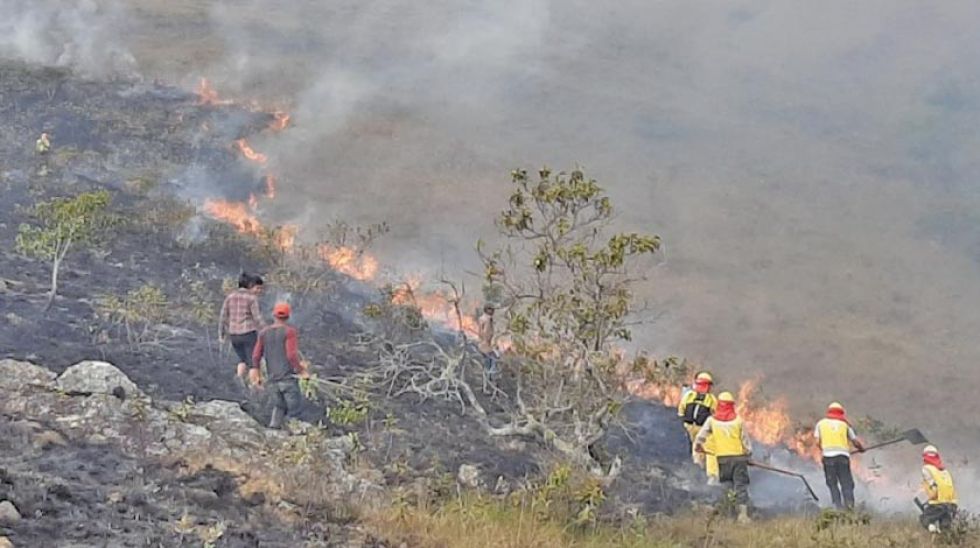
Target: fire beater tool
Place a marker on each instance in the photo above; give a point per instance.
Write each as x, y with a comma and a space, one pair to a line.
920, 504
786, 473
913, 436
781, 471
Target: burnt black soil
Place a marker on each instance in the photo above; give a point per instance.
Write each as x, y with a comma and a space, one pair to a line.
152, 146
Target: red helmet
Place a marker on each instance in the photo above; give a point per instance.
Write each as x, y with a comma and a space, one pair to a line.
282, 311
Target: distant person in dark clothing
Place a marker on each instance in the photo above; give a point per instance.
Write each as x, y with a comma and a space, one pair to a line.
240, 321
279, 345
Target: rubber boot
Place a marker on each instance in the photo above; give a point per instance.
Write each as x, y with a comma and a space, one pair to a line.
277, 416
743, 514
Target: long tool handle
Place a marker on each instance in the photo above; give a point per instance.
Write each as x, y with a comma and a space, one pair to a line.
787, 473
883, 444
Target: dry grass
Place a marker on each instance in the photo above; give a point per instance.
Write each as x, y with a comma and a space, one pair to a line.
474, 522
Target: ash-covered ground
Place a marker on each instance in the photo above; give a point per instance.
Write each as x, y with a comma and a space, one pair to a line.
159, 151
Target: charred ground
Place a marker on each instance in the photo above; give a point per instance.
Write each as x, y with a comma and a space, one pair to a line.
151, 145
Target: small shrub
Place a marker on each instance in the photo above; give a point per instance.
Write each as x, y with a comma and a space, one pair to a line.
137, 314
349, 412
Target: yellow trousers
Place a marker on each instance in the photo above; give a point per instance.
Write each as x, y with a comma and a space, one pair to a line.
710, 461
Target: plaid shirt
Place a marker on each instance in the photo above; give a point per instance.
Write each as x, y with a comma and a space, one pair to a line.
240, 314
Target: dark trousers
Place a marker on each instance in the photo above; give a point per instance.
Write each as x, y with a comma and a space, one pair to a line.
244, 344
733, 472
940, 514
837, 472
286, 401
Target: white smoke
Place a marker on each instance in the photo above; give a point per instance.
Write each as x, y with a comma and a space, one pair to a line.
79, 34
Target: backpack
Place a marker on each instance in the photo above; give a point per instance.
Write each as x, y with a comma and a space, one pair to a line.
696, 412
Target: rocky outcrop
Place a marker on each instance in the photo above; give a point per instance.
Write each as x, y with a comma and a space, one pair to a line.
83, 405
15, 374
92, 377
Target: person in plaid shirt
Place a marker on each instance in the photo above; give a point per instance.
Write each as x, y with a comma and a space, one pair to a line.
240, 321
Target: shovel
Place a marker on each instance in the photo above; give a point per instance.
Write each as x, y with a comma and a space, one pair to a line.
913, 436
786, 473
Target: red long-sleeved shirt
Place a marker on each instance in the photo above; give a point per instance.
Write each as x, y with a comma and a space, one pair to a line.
279, 344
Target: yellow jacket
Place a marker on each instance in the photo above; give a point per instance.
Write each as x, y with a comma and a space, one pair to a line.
938, 484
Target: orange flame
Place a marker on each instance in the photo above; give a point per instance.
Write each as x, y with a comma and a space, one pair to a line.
206, 95
253, 202
348, 261
279, 121
247, 151
286, 237
766, 422
235, 214
435, 306
270, 186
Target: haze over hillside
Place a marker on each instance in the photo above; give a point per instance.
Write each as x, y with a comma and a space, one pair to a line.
811, 168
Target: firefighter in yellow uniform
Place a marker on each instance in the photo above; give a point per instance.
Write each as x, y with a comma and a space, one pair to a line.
937, 482
732, 447
835, 436
43, 144
697, 404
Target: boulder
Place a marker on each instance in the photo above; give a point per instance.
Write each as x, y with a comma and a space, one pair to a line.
5, 543
8, 513
97, 377
16, 374
228, 419
468, 476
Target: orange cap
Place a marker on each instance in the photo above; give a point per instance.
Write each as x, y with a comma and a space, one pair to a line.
281, 311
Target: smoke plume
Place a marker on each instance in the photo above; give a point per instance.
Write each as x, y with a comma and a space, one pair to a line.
810, 167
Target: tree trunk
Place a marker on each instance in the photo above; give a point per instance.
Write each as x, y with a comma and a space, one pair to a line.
54, 284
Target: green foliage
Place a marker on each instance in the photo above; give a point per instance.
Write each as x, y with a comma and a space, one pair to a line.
309, 387
565, 282
182, 411
63, 224
670, 371
563, 218
197, 301
137, 314
563, 497
349, 412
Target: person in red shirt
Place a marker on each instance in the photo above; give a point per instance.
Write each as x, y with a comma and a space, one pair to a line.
279, 345
240, 321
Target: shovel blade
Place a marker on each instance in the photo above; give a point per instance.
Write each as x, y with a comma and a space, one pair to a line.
915, 437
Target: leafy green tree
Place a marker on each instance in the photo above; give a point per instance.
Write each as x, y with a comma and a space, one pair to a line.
64, 224
564, 280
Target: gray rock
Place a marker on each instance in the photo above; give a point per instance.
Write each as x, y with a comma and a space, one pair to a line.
48, 438
14, 319
16, 374
8, 512
97, 378
468, 475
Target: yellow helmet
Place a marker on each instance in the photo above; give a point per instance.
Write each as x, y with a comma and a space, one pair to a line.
726, 396
835, 405
704, 376
930, 450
